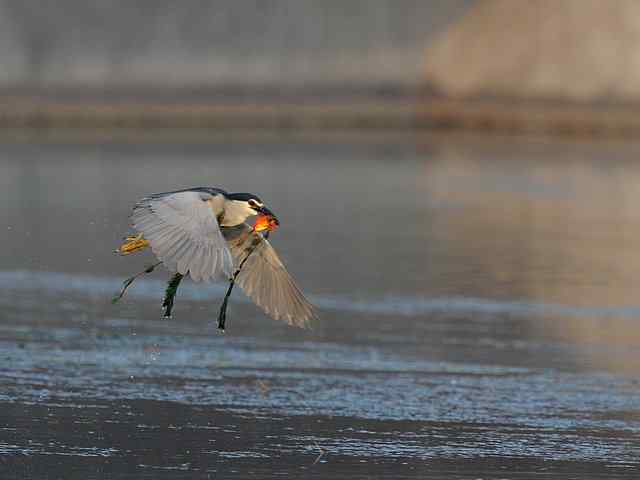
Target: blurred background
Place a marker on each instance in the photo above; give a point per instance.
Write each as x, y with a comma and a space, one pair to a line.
457, 183
542, 66
240, 45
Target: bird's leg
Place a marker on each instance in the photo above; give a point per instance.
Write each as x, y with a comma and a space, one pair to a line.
127, 283
222, 315
170, 294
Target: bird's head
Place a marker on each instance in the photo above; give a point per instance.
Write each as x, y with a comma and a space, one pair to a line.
244, 205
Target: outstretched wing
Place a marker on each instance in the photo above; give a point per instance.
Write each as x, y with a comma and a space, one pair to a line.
265, 279
182, 229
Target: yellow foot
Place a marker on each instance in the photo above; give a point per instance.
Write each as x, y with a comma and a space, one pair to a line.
132, 245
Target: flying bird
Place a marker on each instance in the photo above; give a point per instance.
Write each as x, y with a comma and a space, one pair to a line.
202, 232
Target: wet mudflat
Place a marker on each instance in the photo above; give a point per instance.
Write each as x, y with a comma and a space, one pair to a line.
479, 315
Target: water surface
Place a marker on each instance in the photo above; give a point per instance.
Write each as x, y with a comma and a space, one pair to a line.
479, 314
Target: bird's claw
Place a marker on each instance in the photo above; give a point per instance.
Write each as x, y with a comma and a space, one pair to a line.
132, 244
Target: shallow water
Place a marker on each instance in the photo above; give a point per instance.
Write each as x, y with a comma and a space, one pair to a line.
479, 315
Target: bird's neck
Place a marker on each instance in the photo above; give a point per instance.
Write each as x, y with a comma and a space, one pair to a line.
235, 213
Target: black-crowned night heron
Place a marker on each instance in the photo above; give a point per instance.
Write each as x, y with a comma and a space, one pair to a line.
201, 232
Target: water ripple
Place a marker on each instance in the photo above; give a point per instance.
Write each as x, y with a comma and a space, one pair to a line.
398, 305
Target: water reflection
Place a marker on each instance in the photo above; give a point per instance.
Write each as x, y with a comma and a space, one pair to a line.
550, 223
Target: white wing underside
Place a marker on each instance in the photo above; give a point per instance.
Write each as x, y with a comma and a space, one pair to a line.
265, 279
184, 234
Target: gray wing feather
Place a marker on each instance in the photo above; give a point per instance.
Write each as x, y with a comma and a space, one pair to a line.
265, 279
184, 234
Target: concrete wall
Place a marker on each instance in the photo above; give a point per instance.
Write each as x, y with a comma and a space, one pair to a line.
196, 42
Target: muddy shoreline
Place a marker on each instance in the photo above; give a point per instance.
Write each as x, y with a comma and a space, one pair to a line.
388, 109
